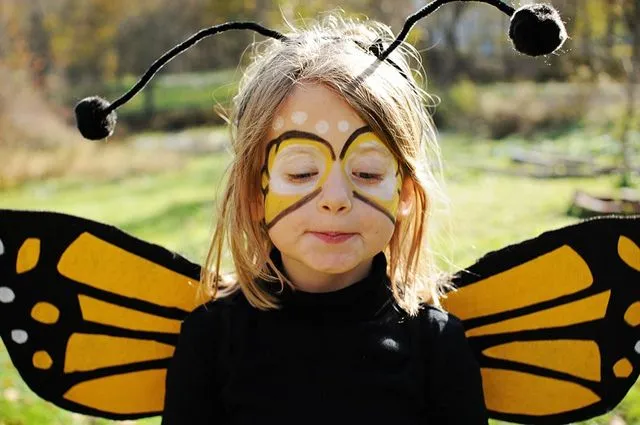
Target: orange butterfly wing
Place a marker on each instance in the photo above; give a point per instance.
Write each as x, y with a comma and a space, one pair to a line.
554, 321
90, 315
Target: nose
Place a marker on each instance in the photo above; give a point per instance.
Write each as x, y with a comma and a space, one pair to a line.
336, 196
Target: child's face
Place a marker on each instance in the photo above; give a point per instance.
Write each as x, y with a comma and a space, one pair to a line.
326, 172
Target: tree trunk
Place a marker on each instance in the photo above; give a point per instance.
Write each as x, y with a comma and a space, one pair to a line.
585, 44
632, 18
452, 43
610, 28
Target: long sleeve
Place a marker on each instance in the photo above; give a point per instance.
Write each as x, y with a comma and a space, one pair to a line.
455, 394
191, 396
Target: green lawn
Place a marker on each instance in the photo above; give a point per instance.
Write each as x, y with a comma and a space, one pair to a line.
177, 92
174, 209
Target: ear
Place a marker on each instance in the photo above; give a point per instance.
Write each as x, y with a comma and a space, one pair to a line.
407, 195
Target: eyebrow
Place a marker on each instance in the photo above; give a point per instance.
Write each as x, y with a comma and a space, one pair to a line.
297, 134
357, 133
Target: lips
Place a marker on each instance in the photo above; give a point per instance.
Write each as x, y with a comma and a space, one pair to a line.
333, 237
332, 233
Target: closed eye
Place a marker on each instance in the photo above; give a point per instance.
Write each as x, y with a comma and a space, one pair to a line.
302, 177
369, 177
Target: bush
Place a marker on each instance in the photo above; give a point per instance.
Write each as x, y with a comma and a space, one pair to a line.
528, 108
500, 110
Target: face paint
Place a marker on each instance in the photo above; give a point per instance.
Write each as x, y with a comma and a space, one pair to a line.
322, 127
299, 117
373, 171
278, 123
298, 164
343, 126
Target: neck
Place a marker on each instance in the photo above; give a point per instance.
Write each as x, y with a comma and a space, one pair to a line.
307, 280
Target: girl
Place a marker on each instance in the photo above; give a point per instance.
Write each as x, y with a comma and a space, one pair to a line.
333, 316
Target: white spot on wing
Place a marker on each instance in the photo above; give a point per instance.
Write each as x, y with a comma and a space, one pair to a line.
6, 295
1, 247
343, 126
19, 336
637, 347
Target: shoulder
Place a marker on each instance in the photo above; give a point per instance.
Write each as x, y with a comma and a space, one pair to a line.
440, 325
213, 314
438, 318
444, 341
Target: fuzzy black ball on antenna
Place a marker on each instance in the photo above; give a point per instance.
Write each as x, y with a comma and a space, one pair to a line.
93, 120
537, 29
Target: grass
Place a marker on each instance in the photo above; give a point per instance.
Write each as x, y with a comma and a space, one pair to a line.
175, 208
178, 92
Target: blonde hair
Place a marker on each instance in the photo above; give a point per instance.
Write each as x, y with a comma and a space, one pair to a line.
333, 52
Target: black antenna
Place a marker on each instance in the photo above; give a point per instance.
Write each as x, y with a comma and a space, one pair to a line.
535, 29
96, 117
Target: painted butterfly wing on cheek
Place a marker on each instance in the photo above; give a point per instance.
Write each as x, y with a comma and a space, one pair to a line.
384, 196
91, 315
554, 321
299, 152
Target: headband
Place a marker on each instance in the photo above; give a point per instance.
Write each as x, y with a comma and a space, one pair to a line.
534, 30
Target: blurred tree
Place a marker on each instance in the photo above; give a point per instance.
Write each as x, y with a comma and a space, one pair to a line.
156, 26
14, 46
611, 13
392, 13
89, 41
586, 28
631, 16
39, 45
83, 34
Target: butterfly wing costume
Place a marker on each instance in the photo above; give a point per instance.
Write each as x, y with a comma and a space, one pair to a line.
91, 315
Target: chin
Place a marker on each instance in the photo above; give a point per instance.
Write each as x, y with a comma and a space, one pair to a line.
334, 263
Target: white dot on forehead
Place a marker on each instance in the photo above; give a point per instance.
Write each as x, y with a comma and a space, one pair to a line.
278, 123
322, 127
343, 126
299, 117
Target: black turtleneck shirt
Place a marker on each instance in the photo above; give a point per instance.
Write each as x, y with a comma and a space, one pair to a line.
350, 356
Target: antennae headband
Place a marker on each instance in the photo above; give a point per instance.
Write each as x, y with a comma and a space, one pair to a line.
96, 117
534, 30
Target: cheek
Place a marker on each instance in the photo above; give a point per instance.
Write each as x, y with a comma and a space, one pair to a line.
384, 194
385, 232
289, 227
382, 191
373, 221
286, 194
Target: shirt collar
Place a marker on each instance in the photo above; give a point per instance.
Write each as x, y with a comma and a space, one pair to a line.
362, 300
